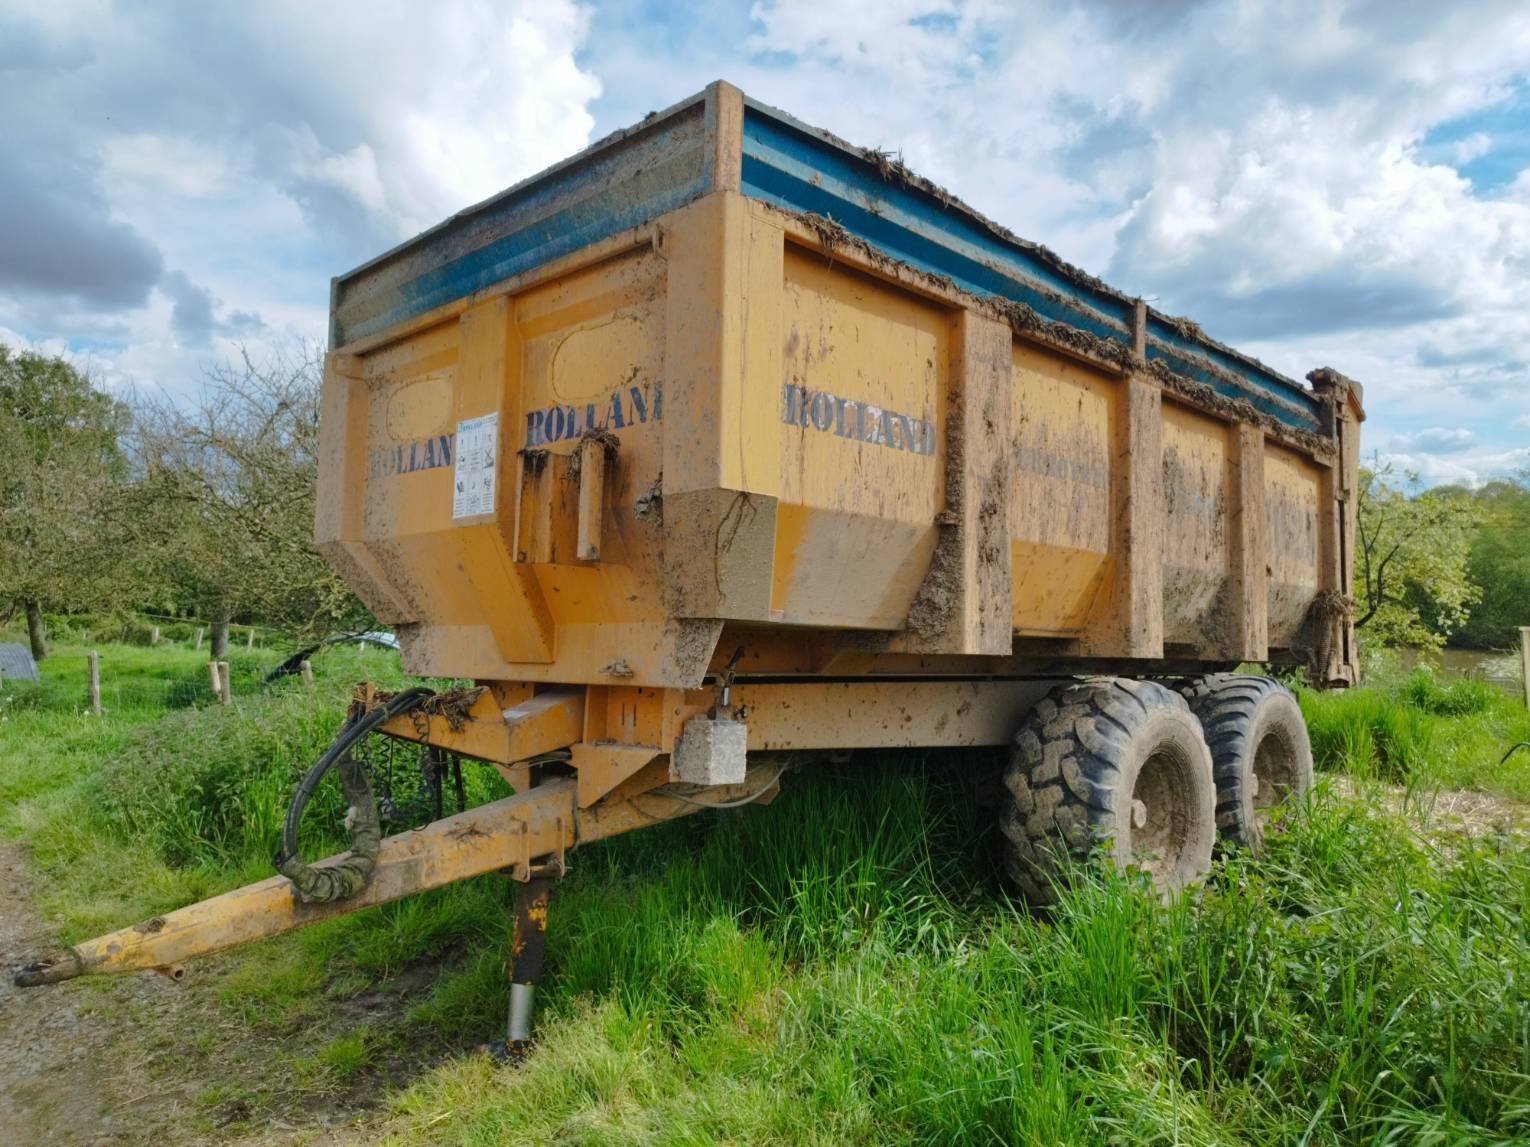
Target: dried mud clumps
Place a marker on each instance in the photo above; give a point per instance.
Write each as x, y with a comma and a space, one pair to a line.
1236, 409
1024, 320
833, 237
892, 169
605, 439
1333, 389
650, 505
453, 706
939, 595
1187, 329
694, 640
1328, 617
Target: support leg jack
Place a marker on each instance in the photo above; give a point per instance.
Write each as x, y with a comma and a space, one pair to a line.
528, 947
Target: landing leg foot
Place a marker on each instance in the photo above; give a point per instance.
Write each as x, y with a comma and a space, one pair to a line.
528, 948
510, 1052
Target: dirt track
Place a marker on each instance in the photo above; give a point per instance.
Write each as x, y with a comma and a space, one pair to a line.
119, 1060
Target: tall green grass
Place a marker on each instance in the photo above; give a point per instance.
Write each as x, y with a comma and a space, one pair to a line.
1421, 730
844, 966
838, 981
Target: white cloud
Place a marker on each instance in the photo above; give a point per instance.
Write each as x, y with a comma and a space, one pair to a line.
1466, 470
1471, 147
1438, 440
195, 171
1258, 167
183, 167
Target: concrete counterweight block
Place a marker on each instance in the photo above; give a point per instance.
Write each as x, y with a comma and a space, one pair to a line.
711, 751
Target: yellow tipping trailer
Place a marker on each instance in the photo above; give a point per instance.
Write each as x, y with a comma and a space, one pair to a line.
726, 439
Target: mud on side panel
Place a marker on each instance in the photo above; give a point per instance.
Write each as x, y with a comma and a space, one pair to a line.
1064, 422
590, 364
1196, 559
865, 376
1292, 498
488, 583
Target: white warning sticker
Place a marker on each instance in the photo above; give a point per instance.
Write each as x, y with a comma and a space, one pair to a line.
473, 481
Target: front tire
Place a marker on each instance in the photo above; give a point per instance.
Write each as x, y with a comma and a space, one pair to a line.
1260, 752
1116, 765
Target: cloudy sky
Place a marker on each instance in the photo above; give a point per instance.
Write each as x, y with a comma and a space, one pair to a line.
1342, 184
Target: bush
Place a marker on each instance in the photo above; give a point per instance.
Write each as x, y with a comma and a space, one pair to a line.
211, 785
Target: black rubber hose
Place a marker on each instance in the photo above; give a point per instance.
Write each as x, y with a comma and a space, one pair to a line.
350, 876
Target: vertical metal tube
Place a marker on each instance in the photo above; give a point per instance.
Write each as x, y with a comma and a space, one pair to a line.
528, 949
522, 1000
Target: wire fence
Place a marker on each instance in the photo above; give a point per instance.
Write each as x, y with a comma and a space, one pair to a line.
140, 683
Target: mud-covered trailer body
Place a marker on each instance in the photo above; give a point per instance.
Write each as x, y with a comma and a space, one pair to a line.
726, 439
841, 427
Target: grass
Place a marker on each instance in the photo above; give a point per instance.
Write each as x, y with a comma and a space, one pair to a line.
844, 966
1421, 731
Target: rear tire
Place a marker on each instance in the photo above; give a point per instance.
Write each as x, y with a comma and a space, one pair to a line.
1260, 752
1116, 765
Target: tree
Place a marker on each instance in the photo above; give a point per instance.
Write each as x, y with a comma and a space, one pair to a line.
227, 497
1499, 562
60, 466
1412, 584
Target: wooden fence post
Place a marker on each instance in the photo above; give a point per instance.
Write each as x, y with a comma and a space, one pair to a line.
225, 693
94, 660
250, 641
153, 635
305, 667
213, 679
201, 630
1524, 660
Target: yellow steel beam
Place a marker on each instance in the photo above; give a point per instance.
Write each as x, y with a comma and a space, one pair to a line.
507, 833
553, 719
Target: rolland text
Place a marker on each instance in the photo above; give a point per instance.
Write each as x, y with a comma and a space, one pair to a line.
859, 421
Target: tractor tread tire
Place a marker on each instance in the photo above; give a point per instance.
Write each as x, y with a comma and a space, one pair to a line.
1070, 775
1237, 712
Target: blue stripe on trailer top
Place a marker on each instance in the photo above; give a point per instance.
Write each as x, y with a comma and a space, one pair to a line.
798, 170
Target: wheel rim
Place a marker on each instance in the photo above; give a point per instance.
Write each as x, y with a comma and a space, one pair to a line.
1160, 815
1274, 770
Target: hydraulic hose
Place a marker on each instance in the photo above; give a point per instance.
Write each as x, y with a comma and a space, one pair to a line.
336, 882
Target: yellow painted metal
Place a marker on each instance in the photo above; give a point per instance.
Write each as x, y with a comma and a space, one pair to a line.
639, 725
509, 835
1292, 505
601, 767
1196, 558
530, 726
1064, 420
506, 834
794, 434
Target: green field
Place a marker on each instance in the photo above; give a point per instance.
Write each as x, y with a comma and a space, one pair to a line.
843, 966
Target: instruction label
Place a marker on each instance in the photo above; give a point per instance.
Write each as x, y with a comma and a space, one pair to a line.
473, 480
